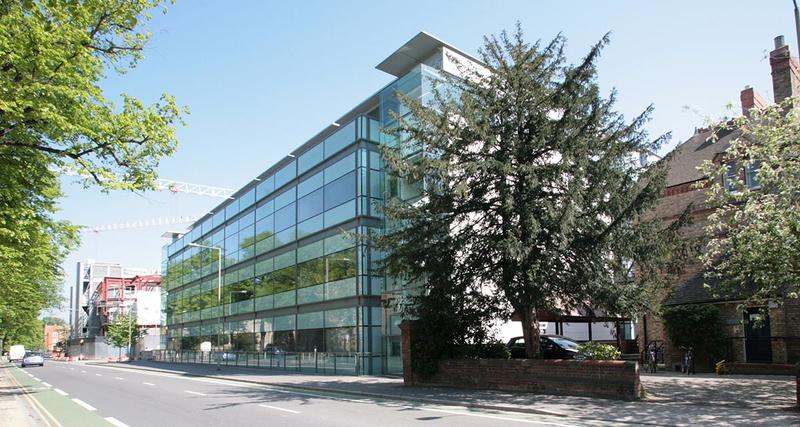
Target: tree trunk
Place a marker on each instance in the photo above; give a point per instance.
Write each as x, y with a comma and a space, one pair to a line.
530, 331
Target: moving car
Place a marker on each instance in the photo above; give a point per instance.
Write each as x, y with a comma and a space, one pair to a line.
552, 347
32, 359
16, 352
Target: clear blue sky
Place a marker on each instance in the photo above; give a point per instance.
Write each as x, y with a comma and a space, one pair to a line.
262, 77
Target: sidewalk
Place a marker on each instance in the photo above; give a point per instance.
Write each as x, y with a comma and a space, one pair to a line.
14, 409
671, 399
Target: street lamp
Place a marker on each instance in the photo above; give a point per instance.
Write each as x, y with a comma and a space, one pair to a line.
219, 280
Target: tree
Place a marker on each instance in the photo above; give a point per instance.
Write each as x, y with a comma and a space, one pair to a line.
123, 332
54, 117
531, 173
50, 320
698, 326
754, 232
32, 244
53, 55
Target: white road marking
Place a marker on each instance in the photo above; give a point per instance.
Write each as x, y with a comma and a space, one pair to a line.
146, 383
494, 417
279, 409
72, 369
83, 372
100, 375
116, 422
85, 405
37, 379
61, 392
331, 396
119, 378
46, 384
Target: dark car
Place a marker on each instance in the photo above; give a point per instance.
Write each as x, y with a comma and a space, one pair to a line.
552, 347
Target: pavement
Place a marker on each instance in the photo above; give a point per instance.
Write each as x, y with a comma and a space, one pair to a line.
152, 393
15, 408
672, 399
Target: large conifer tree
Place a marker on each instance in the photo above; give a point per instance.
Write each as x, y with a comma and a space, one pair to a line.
536, 180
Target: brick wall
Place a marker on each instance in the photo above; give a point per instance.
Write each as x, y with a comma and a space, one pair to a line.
612, 379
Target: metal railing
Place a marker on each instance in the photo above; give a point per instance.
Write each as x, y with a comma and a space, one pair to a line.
308, 362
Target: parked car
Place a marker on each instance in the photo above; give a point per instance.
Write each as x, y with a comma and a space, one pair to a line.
552, 347
32, 359
272, 349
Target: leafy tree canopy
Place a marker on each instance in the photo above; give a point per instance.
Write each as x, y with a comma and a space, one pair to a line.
532, 176
123, 331
754, 247
55, 117
50, 320
53, 55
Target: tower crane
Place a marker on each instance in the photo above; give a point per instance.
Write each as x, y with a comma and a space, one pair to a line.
161, 184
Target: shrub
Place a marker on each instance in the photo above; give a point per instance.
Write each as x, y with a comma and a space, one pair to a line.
597, 351
698, 326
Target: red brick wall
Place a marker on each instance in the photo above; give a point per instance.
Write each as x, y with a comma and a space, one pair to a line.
613, 379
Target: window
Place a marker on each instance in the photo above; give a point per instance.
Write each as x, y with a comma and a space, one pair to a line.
341, 265
340, 191
342, 138
751, 174
730, 177
266, 186
310, 184
285, 217
286, 174
310, 158
340, 168
310, 205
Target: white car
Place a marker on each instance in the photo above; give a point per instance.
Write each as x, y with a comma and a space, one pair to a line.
32, 359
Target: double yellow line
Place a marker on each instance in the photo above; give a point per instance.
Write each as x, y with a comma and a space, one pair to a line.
43, 413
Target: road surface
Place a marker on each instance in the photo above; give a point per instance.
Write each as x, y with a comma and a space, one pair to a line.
96, 395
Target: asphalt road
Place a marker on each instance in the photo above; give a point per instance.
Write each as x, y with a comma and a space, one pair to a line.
79, 394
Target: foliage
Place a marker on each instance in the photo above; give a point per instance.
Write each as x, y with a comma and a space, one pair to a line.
50, 320
698, 326
54, 117
451, 318
53, 54
754, 247
598, 351
32, 244
123, 331
530, 171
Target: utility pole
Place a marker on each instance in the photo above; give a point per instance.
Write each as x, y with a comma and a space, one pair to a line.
797, 24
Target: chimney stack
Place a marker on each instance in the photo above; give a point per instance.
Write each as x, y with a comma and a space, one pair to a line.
785, 72
751, 99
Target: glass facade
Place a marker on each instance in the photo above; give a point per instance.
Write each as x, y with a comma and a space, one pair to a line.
294, 276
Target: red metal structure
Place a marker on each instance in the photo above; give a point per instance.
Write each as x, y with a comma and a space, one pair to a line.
116, 295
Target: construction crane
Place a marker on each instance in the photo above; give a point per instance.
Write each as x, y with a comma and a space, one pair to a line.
197, 189
127, 225
170, 185
161, 184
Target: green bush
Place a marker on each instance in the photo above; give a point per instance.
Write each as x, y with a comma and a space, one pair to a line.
488, 350
597, 351
698, 326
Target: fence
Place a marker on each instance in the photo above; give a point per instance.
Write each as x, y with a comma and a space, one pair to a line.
308, 362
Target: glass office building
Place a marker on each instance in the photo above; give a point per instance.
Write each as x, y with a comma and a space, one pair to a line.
295, 277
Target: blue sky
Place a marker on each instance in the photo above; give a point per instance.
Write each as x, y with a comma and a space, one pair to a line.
261, 77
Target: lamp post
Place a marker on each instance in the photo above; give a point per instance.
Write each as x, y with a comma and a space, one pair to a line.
219, 277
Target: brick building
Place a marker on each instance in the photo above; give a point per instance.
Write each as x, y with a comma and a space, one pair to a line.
778, 339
